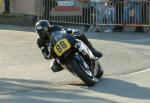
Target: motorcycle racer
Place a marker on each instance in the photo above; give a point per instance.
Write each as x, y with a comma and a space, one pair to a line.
44, 30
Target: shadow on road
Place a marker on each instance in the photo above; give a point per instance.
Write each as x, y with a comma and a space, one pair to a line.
17, 28
31, 91
122, 37
121, 88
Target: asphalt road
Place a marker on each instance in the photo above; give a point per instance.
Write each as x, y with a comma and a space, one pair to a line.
25, 77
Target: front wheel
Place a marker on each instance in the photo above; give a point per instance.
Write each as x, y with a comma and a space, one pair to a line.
82, 71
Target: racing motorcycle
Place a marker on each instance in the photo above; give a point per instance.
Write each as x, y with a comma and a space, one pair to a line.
69, 52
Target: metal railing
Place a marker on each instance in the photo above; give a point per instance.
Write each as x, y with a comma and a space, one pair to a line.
67, 11
99, 13
124, 13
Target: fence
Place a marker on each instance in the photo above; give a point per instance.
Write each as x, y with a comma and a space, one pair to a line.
95, 13
66, 11
124, 13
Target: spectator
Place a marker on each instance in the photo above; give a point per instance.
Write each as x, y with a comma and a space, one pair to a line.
149, 14
137, 4
109, 13
6, 7
145, 12
100, 8
131, 9
119, 15
126, 11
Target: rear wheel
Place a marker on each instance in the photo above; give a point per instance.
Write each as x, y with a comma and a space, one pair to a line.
100, 71
83, 72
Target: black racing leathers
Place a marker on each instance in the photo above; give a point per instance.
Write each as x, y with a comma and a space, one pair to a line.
44, 43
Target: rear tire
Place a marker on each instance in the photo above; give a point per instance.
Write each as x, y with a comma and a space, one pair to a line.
100, 71
79, 69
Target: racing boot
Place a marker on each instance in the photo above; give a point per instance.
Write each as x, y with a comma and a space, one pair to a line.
94, 51
87, 42
55, 66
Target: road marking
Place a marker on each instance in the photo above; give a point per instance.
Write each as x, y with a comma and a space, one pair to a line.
137, 72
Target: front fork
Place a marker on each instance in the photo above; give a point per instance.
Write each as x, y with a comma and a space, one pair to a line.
84, 50
86, 53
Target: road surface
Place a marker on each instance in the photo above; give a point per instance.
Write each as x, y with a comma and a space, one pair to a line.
25, 77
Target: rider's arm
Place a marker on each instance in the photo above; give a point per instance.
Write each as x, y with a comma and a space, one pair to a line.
41, 44
72, 31
75, 33
78, 35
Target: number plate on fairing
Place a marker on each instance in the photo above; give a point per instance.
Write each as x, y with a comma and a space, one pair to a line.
62, 46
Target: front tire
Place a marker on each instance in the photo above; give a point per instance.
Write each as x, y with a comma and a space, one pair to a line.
80, 69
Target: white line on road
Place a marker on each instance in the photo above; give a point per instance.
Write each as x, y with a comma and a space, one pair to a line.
137, 72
